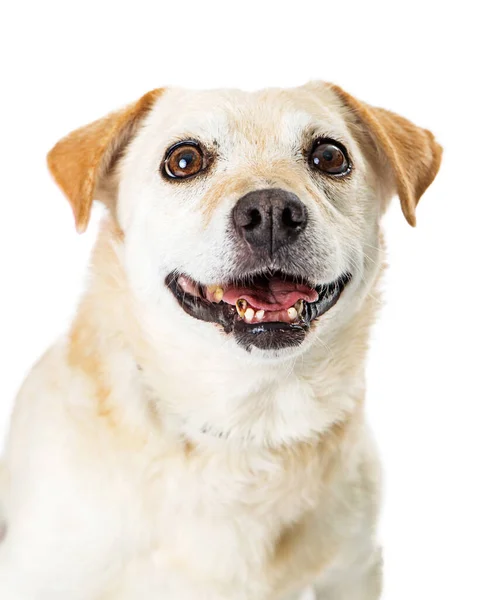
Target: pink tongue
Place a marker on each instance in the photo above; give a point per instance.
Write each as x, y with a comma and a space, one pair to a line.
278, 295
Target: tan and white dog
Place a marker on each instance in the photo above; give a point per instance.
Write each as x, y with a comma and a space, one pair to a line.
199, 432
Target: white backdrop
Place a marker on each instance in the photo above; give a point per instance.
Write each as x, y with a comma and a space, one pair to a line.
65, 64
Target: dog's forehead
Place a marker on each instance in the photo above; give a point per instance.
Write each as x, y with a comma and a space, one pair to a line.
280, 115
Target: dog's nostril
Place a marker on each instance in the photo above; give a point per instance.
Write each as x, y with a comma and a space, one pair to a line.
254, 219
269, 219
290, 219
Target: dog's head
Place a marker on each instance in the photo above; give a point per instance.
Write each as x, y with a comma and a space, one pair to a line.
253, 216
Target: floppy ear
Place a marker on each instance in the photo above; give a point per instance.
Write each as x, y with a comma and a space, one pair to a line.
82, 161
411, 152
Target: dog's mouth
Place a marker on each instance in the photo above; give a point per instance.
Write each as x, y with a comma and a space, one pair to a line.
267, 310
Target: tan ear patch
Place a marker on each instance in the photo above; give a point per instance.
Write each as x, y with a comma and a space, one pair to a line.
80, 161
412, 152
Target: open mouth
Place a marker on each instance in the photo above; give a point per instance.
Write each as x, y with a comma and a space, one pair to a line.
268, 310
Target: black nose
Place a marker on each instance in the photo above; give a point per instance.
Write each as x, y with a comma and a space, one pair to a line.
270, 218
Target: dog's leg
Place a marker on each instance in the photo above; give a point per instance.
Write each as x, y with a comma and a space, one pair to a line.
364, 584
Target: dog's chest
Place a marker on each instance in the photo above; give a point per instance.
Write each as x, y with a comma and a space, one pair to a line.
218, 519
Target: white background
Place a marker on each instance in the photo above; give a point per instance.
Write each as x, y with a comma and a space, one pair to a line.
64, 64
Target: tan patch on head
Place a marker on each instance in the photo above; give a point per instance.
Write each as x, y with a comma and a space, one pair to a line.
232, 186
81, 162
255, 175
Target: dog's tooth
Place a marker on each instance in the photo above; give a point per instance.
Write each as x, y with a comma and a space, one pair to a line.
249, 314
299, 306
259, 314
241, 306
218, 294
292, 313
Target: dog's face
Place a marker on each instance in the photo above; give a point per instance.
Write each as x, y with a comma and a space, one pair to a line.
252, 216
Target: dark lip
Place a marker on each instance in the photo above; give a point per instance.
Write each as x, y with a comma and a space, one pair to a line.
266, 336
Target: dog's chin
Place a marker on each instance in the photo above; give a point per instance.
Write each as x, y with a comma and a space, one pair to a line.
268, 313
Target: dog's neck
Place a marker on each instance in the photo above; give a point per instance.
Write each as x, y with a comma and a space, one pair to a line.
217, 395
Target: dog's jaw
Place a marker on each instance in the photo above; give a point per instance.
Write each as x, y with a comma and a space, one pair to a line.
221, 392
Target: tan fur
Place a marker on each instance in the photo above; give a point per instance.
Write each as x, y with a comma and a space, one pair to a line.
82, 355
80, 161
413, 153
178, 465
236, 186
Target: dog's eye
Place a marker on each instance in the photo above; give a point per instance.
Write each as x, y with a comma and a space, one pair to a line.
183, 160
330, 157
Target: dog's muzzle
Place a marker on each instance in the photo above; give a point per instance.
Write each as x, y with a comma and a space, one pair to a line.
270, 299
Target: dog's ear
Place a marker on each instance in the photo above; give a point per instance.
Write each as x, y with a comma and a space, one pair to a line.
412, 153
82, 162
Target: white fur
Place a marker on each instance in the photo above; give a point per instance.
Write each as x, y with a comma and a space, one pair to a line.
103, 507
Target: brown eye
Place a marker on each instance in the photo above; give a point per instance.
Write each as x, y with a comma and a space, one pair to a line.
183, 160
329, 157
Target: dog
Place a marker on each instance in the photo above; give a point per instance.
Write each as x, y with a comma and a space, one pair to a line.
199, 431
